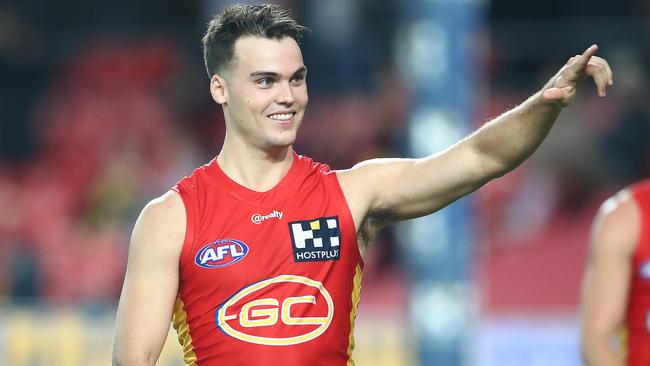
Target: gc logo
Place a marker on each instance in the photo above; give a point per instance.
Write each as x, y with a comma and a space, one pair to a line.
277, 319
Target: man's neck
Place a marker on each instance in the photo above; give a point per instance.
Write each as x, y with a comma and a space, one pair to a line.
255, 169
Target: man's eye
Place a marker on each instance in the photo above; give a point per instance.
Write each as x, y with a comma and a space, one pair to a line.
266, 82
298, 80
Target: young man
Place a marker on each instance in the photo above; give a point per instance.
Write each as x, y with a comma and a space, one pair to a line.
616, 298
258, 254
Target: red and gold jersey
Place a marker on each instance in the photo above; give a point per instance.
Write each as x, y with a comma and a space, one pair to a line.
267, 278
638, 310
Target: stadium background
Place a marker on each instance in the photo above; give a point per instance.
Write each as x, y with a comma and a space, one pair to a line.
103, 105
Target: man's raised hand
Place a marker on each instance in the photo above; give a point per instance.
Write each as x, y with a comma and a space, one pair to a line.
562, 87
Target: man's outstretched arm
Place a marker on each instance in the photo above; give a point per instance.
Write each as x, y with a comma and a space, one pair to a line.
151, 282
606, 280
398, 189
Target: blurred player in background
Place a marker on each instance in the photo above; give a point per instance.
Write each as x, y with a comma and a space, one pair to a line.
257, 255
616, 293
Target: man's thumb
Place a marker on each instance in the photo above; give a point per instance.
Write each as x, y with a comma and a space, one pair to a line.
557, 94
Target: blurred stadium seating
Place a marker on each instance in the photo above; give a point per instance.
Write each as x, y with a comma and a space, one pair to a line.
103, 107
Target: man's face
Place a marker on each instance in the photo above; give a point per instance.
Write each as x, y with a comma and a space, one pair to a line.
265, 92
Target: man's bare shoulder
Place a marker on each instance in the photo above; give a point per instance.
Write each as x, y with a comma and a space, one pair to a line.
368, 174
168, 204
617, 225
363, 182
168, 209
368, 168
161, 220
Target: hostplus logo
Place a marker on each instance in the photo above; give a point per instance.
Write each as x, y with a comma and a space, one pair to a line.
258, 219
316, 240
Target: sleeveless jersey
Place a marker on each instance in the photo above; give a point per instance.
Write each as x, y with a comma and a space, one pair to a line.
267, 278
638, 310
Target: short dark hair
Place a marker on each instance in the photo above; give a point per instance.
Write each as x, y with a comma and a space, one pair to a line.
267, 21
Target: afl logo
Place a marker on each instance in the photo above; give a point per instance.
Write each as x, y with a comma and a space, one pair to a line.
280, 311
221, 253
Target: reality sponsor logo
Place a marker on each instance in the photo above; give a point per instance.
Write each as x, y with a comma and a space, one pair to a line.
258, 219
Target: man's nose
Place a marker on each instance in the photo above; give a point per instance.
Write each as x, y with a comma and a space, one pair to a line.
285, 94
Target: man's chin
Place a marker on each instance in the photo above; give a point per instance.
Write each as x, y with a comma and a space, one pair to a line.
281, 144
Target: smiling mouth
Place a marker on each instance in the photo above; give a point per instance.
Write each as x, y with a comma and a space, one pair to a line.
282, 117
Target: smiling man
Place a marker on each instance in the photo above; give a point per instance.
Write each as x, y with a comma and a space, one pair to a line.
257, 256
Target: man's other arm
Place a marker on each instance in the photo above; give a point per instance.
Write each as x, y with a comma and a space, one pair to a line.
151, 282
398, 189
606, 281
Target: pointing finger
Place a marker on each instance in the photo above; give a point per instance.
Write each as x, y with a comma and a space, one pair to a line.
572, 60
582, 61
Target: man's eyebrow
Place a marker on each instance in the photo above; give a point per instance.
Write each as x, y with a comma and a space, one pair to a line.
302, 70
257, 74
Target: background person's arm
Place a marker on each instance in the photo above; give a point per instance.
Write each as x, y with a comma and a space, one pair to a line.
397, 189
151, 282
607, 279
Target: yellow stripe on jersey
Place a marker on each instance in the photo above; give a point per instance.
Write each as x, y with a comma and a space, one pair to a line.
622, 342
356, 294
179, 320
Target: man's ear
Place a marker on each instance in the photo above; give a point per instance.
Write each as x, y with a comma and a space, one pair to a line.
218, 89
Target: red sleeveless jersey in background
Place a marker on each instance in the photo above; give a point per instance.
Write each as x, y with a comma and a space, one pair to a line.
638, 310
267, 278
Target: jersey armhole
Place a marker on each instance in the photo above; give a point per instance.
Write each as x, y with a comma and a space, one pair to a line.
348, 216
641, 203
190, 222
